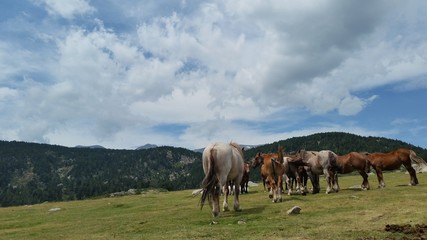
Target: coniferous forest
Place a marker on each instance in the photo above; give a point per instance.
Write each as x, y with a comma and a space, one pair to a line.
33, 173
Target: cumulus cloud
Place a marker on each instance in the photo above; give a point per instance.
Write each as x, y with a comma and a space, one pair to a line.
204, 66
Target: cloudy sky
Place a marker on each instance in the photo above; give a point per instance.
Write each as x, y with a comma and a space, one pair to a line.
185, 73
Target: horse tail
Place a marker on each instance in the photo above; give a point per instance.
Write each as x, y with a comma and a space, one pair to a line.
210, 181
418, 160
367, 162
367, 166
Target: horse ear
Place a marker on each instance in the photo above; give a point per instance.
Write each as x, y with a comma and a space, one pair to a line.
243, 149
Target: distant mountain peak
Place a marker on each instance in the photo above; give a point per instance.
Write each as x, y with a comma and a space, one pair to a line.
91, 147
147, 146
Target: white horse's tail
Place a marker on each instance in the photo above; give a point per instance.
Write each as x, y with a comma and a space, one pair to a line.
418, 160
210, 181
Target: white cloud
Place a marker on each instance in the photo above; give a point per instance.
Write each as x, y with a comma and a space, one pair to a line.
66, 9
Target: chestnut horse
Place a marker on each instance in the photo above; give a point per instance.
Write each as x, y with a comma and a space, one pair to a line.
353, 161
317, 163
272, 173
392, 161
257, 160
222, 162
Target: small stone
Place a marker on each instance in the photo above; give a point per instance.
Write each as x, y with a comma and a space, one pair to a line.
294, 210
54, 209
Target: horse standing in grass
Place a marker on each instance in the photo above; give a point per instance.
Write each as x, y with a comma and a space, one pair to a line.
259, 160
294, 171
272, 171
222, 162
317, 163
353, 161
245, 179
392, 161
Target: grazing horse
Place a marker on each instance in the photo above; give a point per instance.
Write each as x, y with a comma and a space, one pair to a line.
295, 172
272, 171
317, 163
222, 162
245, 179
392, 161
353, 161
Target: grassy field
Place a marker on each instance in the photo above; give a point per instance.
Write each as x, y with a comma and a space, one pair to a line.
349, 214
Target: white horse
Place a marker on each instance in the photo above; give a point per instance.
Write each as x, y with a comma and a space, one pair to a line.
222, 162
318, 163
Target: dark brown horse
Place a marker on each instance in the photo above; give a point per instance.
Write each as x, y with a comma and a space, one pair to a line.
392, 161
245, 178
271, 172
353, 161
294, 171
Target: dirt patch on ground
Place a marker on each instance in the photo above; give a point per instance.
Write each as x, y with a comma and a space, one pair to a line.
411, 232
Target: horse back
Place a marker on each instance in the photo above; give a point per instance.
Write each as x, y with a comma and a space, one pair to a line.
389, 161
352, 161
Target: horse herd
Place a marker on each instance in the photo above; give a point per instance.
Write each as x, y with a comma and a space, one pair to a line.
223, 165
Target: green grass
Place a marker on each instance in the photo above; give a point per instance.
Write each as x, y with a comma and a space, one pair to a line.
349, 214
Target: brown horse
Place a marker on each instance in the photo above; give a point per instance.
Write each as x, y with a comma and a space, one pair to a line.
392, 161
222, 162
294, 171
272, 173
259, 160
353, 161
245, 178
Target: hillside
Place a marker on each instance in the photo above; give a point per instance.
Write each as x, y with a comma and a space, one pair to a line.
33, 173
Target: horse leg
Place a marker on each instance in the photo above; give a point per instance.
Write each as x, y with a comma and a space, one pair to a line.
365, 183
280, 185
236, 198
314, 178
381, 183
215, 201
287, 183
328, 181
336, 184
412, 174
226, 193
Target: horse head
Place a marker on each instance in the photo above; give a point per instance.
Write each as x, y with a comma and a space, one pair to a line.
258, 160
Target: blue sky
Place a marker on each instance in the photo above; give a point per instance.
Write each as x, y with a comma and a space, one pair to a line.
185, 73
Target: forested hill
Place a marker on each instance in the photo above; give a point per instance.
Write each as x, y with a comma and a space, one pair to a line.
338, 142
33, 173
